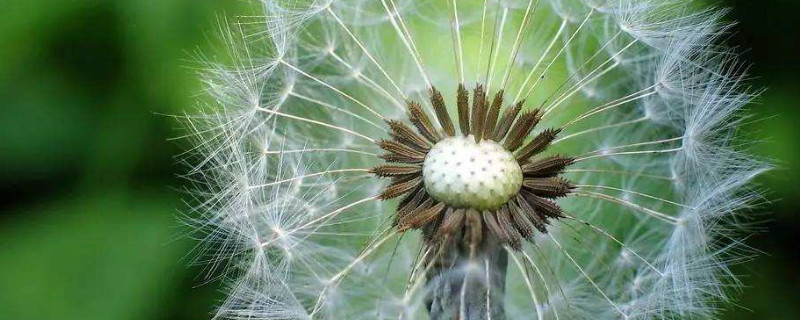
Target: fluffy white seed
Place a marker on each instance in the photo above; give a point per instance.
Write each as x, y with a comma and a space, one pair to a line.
644, 93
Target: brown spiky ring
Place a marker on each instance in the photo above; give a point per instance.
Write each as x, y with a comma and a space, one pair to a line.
484, 182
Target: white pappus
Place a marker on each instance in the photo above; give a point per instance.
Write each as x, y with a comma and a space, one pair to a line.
623, 191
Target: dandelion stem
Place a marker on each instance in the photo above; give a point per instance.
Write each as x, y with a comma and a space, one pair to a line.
468, 283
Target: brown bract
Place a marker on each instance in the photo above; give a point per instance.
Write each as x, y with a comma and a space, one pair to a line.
528, 211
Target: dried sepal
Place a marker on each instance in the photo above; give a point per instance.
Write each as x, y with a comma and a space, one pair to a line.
543, 207
490, 221
401, 149
399, 187
440, 108
420, 217
462, 102
403, 133
491, 116
478, 112
505, 122
530, 213
423, 123
517, 219
521, 129
390, 170
506, 224
547, 167
411, 201
474, 227
523, 224
537, 145
552, 187
453, 223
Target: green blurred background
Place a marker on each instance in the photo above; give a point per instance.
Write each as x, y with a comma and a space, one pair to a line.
88, 226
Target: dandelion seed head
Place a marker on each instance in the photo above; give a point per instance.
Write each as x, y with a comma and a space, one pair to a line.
609, 183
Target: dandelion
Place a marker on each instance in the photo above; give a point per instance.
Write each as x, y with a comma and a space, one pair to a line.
481, 159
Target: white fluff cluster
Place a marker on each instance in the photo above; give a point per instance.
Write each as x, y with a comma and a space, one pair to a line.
648, 99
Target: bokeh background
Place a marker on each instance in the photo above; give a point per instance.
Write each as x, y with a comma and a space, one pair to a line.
88, 175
